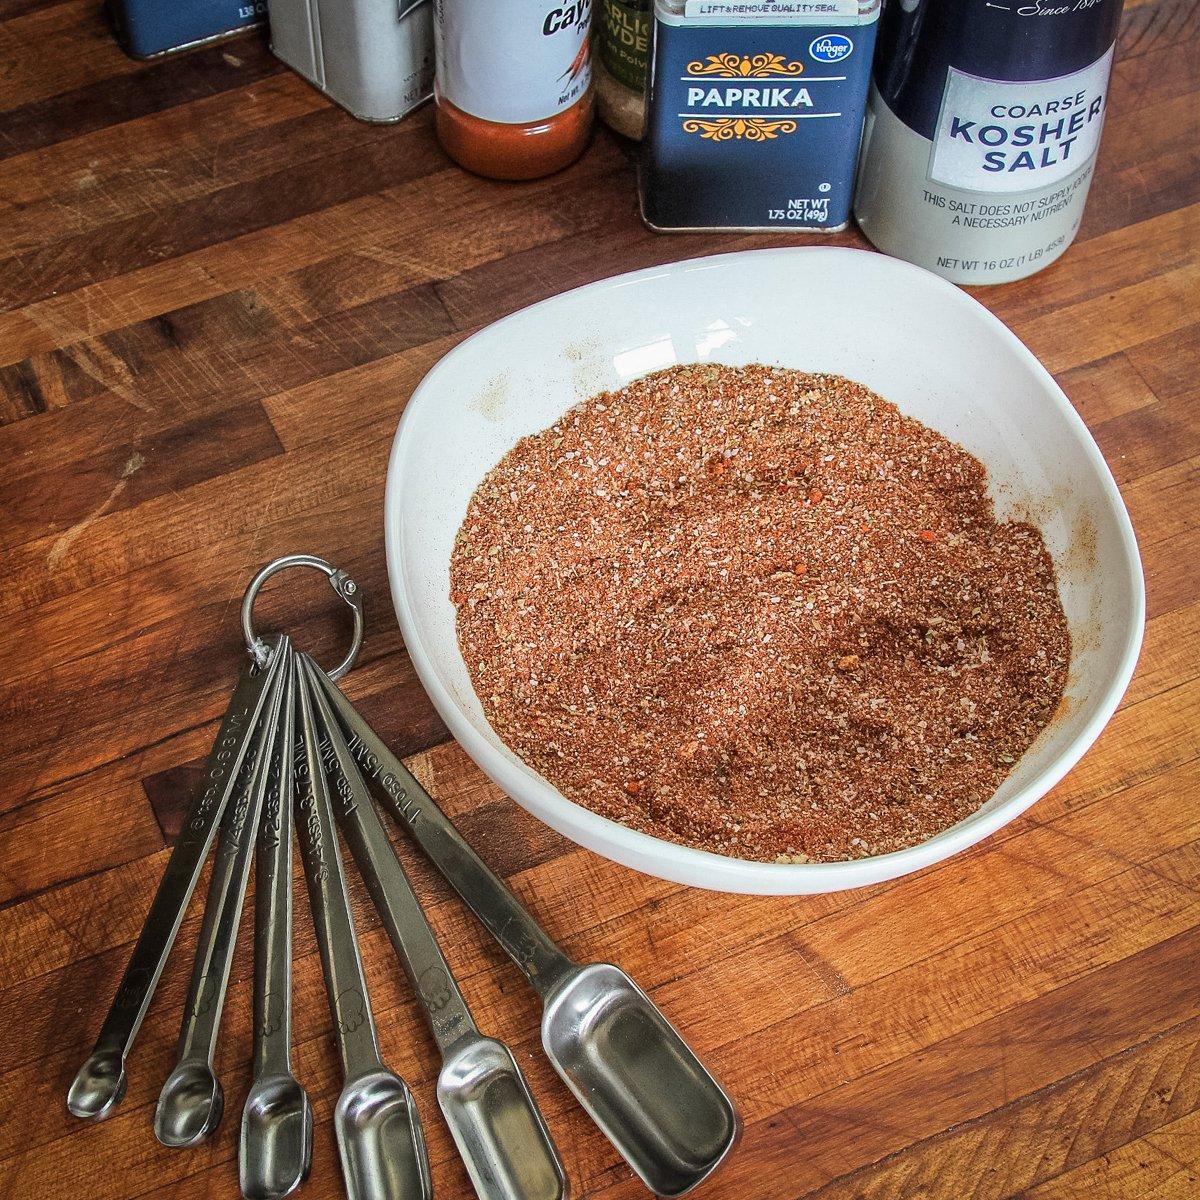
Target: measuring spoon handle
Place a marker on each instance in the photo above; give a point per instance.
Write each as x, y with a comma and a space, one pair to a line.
504, 916
273, 901
100, 1073
399, 909
227, 890
333, 922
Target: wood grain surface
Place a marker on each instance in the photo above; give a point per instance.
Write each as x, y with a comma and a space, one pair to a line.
217, 292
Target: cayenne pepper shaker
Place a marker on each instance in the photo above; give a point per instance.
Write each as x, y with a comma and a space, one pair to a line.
513, 84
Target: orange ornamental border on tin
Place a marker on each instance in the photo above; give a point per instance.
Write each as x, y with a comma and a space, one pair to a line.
742, 66
753, 129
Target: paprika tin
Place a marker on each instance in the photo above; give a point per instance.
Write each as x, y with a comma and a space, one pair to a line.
982, 129
754, 113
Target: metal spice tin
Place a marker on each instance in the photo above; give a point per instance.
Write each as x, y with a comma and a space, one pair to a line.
373, 57
149, 28
755, 111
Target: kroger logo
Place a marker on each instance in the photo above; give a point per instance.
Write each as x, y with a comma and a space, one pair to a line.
830, 47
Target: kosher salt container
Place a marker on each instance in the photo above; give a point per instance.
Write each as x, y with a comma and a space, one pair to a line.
754, 113
982, 129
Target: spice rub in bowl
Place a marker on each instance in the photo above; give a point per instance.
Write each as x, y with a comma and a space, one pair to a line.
759, 612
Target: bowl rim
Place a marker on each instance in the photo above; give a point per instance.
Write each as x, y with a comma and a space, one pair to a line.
724, 872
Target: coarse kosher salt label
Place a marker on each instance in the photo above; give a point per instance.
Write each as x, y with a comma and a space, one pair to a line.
999, 136
526, 65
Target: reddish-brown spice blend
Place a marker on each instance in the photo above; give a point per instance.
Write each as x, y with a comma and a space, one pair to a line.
757, 611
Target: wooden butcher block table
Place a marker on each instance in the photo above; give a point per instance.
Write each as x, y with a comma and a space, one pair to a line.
218, 292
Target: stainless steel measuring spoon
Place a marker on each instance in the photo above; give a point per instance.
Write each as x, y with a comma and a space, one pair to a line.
275, 1148
503, 1141
375, 1121
100, 1083
625, 1063
192, 1101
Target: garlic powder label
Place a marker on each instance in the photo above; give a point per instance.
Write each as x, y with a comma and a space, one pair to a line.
997, 136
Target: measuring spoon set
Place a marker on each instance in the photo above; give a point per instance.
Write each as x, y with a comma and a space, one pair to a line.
293, 755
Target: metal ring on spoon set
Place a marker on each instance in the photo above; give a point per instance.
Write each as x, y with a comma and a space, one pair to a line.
339, 580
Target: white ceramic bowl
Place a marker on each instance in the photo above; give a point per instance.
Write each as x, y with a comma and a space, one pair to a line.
913, 338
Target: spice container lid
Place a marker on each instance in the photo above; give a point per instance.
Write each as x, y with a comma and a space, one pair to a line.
769, 12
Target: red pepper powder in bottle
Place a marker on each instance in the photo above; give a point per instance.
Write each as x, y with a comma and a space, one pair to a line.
513, 84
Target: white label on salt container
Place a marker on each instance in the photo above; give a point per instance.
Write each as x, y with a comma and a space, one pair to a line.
1001, 136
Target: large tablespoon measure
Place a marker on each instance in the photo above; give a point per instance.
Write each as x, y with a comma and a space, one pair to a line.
192, 1101
275, 1150
99, 1084
375, 1120
501, 1137
625, 1063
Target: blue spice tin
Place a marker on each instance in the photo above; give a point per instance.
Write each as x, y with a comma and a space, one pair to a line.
148, 28
754, 113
